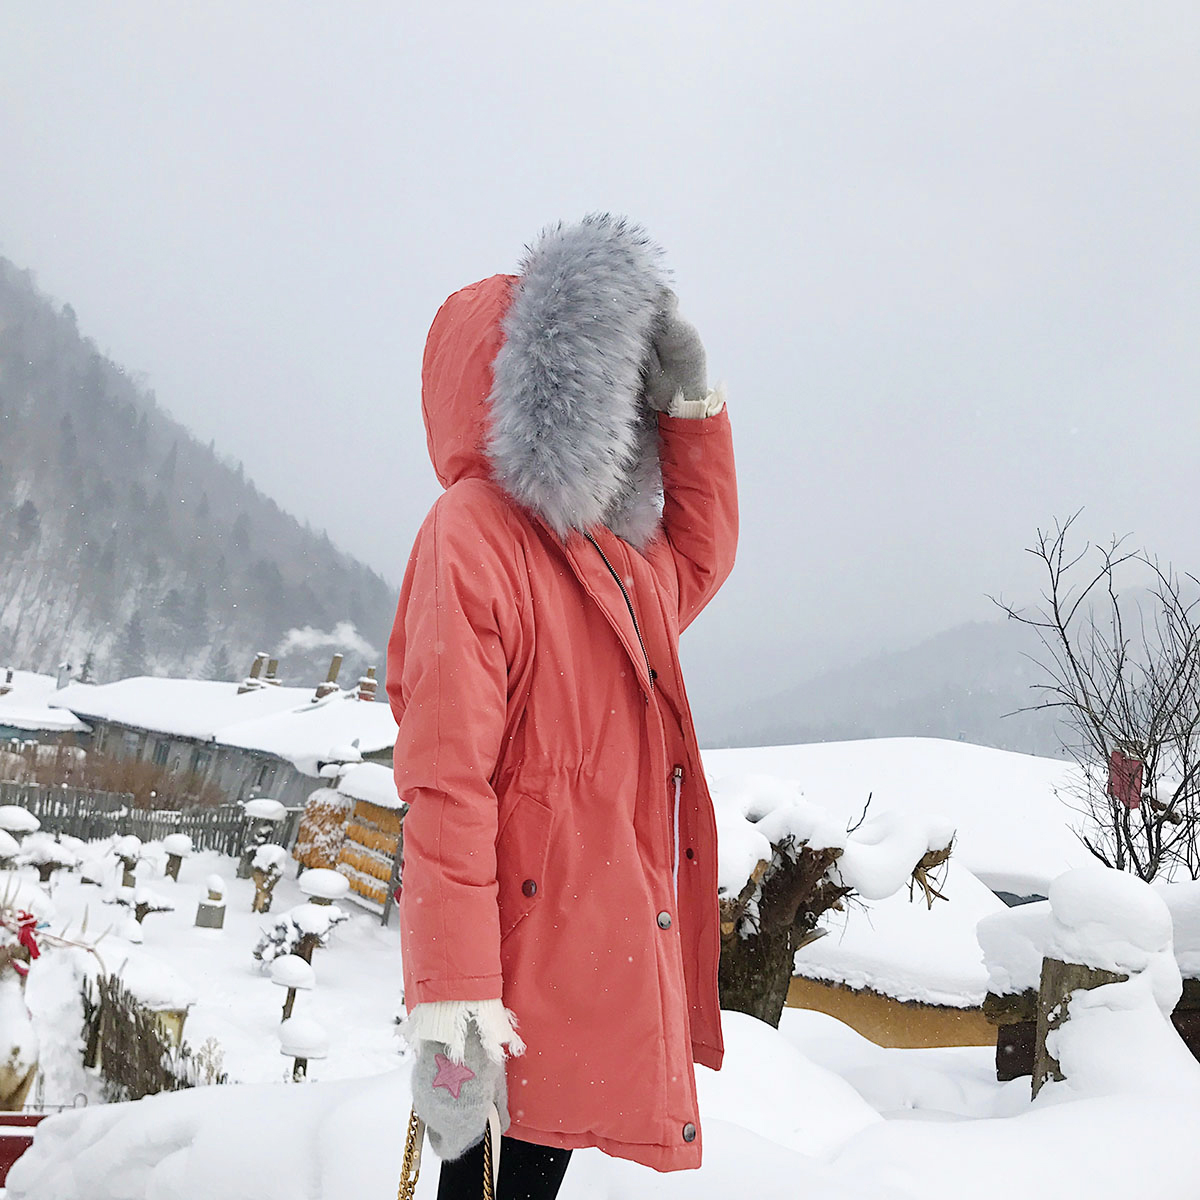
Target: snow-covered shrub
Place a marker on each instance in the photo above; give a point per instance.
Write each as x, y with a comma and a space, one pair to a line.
299, 931
47, 854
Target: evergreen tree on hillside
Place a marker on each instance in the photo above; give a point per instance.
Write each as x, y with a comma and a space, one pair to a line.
131, 648
218, 665
109, 507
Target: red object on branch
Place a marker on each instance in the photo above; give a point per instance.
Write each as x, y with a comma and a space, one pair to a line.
1125, 779
26, 924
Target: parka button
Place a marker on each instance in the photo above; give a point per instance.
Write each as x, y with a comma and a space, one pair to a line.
689, 1132
664, 920
529, 887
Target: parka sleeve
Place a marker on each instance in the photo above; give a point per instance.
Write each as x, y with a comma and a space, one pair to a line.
700, 508
447, 681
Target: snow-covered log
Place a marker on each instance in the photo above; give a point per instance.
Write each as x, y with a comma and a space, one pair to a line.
784, 863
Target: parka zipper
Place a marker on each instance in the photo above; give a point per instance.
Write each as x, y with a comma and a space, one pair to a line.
677, 774
650, 672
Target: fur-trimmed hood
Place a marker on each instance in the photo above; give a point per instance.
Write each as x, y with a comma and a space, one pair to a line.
535, 380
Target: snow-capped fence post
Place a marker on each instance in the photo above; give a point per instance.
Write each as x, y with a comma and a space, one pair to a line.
1060, 980
264, 814
267, 871
210, 913
294, 973
129, 850
301, 1038
178, 847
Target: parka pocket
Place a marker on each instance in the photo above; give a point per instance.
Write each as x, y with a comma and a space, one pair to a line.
522, 851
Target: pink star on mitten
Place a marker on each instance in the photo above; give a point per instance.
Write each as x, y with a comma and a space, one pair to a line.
451, 1075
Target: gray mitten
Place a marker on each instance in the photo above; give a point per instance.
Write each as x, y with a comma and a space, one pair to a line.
454, 1099
676, 362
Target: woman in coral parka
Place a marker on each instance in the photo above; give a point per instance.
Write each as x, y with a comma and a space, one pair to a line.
559, 913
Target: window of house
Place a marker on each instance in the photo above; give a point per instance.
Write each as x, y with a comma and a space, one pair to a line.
161, 750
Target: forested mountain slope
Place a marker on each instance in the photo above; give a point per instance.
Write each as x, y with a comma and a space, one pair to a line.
126, 542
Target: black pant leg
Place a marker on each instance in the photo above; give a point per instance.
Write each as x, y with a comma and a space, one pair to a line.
527, 1172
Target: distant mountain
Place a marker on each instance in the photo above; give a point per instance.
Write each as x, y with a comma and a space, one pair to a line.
959, 684
127, 543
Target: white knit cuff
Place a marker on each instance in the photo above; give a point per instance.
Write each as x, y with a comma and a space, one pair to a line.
707, 406
449, 1021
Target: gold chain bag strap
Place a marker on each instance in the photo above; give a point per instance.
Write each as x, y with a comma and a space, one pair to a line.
410, 1171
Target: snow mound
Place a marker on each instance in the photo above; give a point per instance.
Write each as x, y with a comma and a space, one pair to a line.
756, 811
767, 1086
16, 819
900, 947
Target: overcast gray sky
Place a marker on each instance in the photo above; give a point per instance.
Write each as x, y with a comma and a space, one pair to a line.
946, 257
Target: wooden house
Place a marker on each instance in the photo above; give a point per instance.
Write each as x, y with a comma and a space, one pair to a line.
256, 740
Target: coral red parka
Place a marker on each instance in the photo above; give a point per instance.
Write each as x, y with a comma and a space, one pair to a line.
560, 845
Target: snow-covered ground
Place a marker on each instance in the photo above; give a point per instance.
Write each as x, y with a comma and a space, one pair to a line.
812, 1109
234, 1001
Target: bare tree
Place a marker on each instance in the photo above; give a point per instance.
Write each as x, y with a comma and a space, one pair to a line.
1120, 641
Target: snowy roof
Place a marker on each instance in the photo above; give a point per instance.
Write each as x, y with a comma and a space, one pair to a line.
192, 708
27, 705
317, 730
372, 782
902, 948
1013, 830
286, 722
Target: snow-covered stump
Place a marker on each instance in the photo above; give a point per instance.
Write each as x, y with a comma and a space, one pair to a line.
129, 850
1060, 981
301, 1039
785, 863
266, 871
264, 815
43, 851
1109, 984
294, 973
210, 913
141, 902
178, 847
17, 821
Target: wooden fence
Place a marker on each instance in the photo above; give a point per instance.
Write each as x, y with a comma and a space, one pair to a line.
90, 815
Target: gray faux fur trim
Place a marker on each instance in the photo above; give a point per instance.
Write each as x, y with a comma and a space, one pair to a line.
570, 437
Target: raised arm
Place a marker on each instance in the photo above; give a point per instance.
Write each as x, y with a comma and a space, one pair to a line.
700, 514
700, 508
